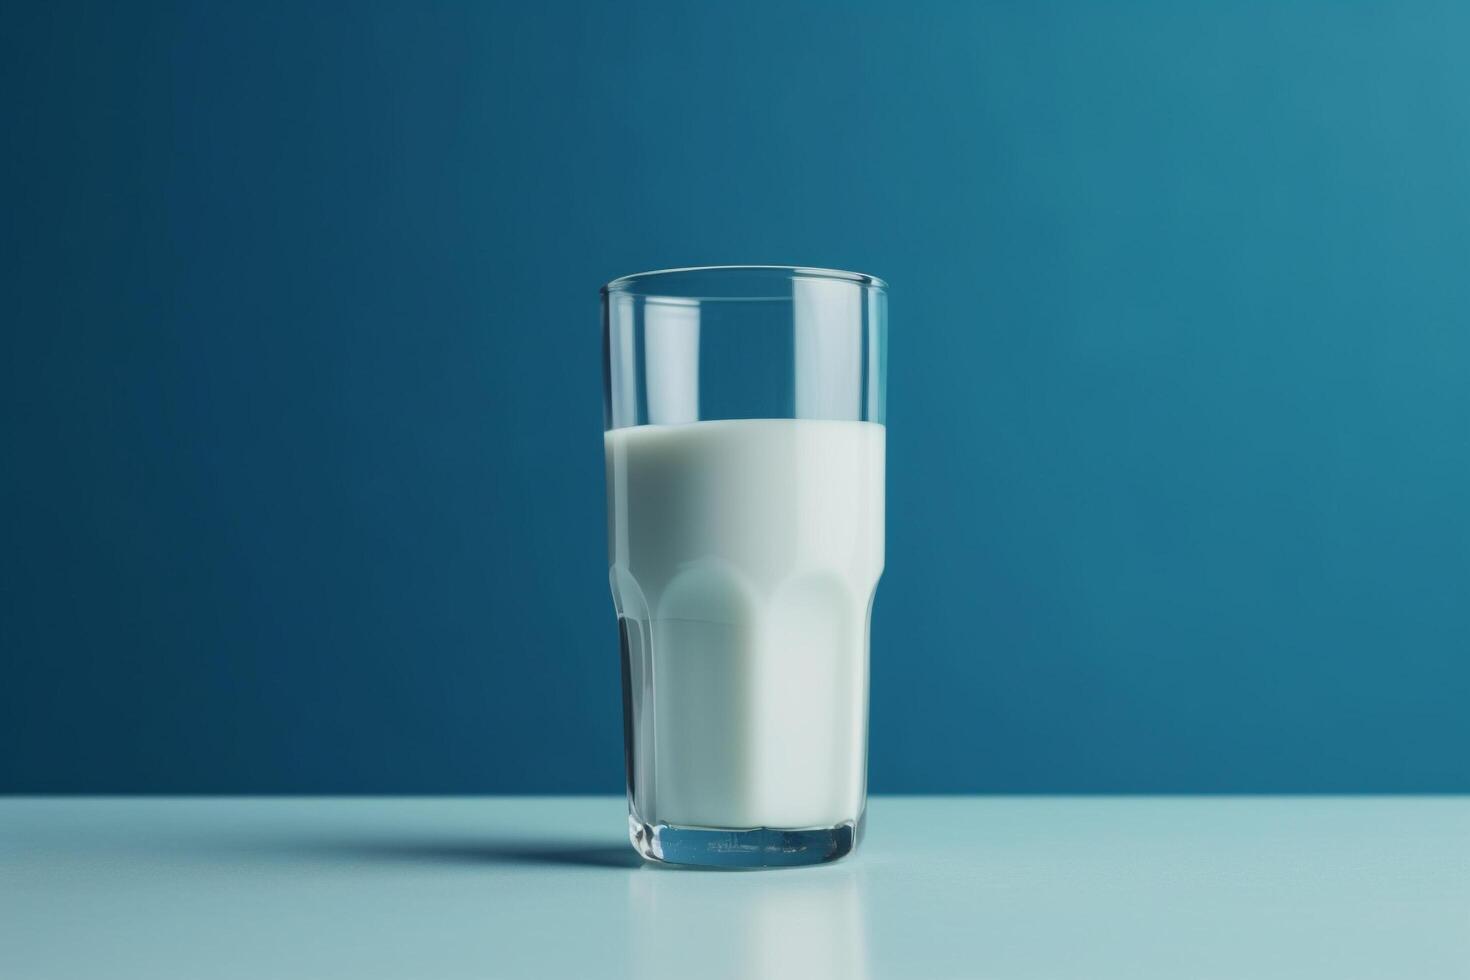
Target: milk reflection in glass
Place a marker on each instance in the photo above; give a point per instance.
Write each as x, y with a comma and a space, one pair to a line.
744, 556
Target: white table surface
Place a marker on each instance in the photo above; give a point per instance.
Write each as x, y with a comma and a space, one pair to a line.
548, 887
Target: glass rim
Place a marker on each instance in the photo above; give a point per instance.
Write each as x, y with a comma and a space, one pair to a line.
632, 284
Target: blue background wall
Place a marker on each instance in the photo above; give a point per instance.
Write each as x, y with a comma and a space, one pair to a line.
302, 483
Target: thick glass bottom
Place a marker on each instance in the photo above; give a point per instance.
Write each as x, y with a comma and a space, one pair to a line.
758, 847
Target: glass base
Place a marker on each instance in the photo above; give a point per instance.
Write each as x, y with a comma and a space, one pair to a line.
759, 847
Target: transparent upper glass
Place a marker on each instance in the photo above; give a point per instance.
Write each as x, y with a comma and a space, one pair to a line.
743, 342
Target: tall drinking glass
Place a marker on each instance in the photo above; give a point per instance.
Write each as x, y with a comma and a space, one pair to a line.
745, 447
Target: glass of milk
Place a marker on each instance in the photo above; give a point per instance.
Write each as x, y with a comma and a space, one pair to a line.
744, 447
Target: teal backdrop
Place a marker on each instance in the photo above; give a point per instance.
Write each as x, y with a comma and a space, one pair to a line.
301, 486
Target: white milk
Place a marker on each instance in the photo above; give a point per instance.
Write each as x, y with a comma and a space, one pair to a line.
744, 558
